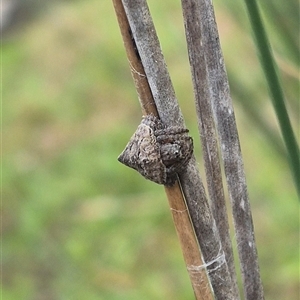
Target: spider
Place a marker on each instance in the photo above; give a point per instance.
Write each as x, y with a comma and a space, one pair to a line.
158, 152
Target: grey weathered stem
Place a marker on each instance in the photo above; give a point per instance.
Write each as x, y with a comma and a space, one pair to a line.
169, 112
184, 228
203, 97
210, 68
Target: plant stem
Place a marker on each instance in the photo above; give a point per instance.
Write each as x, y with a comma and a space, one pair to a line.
277, 96
184, 227
167, 105
207, 129
210, 81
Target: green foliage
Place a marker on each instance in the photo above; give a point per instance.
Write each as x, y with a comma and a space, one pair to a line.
276, 91
76, 224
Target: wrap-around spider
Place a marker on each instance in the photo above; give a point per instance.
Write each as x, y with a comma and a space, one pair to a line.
158, 152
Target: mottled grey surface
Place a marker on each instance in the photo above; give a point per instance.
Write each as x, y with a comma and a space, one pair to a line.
158, 152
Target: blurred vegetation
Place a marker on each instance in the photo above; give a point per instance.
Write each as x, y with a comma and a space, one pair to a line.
76, 224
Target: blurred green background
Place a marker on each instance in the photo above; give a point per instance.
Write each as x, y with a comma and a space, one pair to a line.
76, 224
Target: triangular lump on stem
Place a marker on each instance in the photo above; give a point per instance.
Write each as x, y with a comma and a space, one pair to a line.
149, 143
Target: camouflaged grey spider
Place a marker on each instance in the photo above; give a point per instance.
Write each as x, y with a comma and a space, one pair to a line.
158, 152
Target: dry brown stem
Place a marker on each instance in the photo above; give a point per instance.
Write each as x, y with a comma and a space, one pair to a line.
180, 213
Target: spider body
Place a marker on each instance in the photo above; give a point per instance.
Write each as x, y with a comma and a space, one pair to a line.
158, 152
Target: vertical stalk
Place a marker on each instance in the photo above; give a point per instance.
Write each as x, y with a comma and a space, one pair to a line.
180, 214
207, 130
213, 69
269, 68
164, 96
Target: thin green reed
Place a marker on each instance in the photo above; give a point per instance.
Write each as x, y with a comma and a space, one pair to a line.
276, 91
